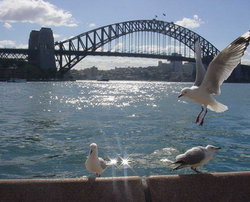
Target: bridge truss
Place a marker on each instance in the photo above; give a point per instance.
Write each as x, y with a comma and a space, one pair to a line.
139, 38
13, 53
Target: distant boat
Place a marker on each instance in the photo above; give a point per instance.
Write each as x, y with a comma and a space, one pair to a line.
102, 78
17, 80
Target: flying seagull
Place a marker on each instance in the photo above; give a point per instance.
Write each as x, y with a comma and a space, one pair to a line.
94, 163
209, 82
195, 157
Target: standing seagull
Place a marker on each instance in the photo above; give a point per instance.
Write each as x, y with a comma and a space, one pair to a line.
94, 163
221, 67
195, 157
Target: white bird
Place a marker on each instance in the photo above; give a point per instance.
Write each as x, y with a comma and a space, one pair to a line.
195, 157
209, 82
94, 163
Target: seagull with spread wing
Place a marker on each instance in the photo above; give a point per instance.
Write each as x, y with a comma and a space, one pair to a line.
209, 82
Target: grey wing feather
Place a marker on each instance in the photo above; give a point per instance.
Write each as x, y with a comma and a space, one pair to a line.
223, 64
102, 163
192, 156
200, 70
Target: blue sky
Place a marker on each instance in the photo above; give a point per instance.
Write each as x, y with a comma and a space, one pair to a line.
218, 21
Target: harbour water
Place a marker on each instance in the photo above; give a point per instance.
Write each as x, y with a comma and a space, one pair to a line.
46, 127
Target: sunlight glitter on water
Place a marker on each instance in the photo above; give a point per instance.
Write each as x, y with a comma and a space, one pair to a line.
119, 94
46, 128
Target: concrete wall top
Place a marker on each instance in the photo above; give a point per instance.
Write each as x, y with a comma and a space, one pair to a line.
221, 187
214, 187
80, 189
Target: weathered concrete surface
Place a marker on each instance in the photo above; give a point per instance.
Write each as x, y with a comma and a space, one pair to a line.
82, 189
216, 187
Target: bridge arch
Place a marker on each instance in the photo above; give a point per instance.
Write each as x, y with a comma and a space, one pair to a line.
71, 51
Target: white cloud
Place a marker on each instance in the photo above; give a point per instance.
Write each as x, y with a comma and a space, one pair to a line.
246, 58
22, 46
56, 36
245, 61
7, 44
7, 25
190, 22
34, 11
247, 53
11, 44
92, 25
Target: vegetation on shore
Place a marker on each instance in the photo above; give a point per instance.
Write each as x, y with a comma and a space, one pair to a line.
20, 68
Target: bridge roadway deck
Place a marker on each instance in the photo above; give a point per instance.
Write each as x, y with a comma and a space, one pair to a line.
15, 50
99, 53
222, 187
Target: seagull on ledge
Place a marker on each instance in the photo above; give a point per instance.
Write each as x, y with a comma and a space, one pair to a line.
94, 163
195, 157
209, 82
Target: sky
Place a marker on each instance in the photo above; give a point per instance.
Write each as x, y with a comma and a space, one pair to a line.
218, 21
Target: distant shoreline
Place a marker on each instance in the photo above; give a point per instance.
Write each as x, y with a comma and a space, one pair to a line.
62, 80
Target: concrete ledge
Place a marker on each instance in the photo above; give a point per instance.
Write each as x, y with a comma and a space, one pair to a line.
228, 187
82, 189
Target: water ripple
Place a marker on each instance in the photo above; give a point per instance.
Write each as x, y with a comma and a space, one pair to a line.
46, 128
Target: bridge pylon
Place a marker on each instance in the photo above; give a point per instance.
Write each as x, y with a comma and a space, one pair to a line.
41, 46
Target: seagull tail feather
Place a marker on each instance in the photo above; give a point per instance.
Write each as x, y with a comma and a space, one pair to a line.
179, 167
217, 107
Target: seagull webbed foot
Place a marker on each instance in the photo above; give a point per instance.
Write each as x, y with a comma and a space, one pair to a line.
195, 169
201, 123
202, 120
198, 117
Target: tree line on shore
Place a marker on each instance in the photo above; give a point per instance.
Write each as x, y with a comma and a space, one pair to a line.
20, 68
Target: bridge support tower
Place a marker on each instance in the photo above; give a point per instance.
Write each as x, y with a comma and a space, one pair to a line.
41, 44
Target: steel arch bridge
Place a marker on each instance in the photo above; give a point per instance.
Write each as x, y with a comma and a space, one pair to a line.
129, 39
138, 38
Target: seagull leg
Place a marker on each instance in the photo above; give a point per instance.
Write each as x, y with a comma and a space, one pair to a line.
202, 120
198, 117
194, 169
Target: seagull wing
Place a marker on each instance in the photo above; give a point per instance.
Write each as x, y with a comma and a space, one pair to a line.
200, 70
102, 163
223, 64
192, 156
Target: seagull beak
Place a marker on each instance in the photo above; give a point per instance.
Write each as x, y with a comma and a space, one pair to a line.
90, 151
217, 147
180, 95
